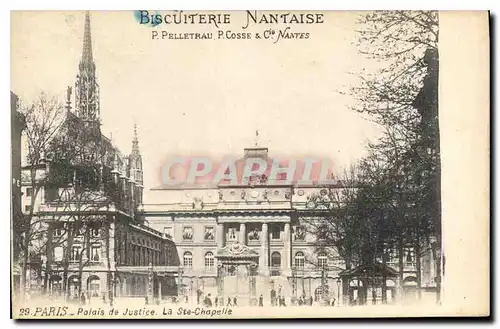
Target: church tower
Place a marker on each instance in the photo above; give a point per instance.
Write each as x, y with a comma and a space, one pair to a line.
135, 163
86, 86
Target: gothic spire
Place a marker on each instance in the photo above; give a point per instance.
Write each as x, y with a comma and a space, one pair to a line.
86, 86
87, 42
135, 141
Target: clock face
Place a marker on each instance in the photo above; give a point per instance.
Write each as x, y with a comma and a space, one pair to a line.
300, 192
255, 194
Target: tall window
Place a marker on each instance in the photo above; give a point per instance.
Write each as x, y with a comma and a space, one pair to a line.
94, 253
322, 260
299, 260
231, 234
95, 231
275, 263
209, 261
409, 255
29, 192
75, 253
58, 254
275, 232
188, 259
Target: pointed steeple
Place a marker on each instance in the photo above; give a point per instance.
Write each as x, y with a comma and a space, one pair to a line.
135, 141
87, 41
135, 159
87, 89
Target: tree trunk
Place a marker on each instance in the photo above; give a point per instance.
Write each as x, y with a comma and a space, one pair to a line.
401, 268
66, 261
24, 267
418, 268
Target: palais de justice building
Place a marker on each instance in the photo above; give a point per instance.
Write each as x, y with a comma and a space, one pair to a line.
248, 239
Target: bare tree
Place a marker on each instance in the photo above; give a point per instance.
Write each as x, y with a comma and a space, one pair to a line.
43, 119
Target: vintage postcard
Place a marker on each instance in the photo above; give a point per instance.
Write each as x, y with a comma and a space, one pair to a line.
249, 164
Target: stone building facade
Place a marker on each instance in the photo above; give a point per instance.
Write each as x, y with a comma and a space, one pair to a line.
82, 197
249, 239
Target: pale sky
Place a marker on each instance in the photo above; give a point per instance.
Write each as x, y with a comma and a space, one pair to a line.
202, 97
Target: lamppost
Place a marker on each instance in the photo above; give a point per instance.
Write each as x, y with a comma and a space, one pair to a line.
220, 281
191, 288
338, 291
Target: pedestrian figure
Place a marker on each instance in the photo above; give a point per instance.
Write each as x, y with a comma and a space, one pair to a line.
229, 302
261, 300
208, 301
82, 299
273, 297
235, 301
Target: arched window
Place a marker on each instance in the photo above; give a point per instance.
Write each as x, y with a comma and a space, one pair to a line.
322, 260
275, 263
299, 260
188, 259
275, 259
209, 261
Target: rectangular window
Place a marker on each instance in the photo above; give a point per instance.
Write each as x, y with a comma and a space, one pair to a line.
95, 253
322, 261
231, 234
29, 192
188, 261
75, 253
299, 262
27, 208
94, 232
58, 254
275, 232
209, 261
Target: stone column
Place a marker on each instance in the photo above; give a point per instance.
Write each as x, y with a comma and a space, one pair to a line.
243, 234
220, 235
264, 254
287, 250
